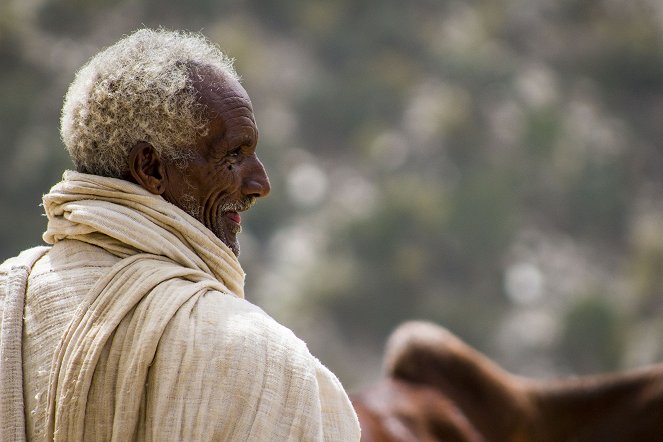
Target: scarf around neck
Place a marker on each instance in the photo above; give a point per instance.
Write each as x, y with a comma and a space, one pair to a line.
125, 219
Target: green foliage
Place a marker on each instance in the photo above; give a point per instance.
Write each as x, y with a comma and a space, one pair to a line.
69, 16
20, 83
592, 338
598, 201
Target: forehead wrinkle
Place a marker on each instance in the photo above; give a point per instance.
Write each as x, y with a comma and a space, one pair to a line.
216, 139
242, 111
239, 122
229, 92
229, 104
218, 93
231, 113
240, 119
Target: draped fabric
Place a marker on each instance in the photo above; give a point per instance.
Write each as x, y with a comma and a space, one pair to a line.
161, 344
12, 416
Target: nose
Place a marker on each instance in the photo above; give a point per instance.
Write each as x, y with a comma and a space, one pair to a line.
256, 181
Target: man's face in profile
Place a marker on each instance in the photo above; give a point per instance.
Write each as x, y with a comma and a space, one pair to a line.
225, 176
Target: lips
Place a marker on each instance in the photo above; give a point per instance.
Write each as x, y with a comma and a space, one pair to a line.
234, 217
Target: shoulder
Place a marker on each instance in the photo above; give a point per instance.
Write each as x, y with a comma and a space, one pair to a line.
261, 376
222, 324
230, 338
25, 260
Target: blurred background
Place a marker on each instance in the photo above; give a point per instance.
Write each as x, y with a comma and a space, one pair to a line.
495, 166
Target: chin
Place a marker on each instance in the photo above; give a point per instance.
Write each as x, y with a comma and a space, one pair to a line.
229, 239
234, 246
235, 249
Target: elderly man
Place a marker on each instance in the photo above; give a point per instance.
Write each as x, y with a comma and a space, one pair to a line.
135, 325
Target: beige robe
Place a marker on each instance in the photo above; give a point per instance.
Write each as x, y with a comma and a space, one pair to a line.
136, 329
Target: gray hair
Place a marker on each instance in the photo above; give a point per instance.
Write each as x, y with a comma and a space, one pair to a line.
139, 89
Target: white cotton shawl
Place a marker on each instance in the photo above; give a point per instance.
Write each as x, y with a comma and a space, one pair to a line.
164, 347
12, 416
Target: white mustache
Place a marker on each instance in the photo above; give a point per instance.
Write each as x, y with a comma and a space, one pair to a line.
239, 206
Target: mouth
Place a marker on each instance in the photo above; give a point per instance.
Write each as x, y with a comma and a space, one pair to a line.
234, 217
231, 211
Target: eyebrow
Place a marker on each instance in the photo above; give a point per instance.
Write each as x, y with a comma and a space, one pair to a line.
243, 140
214, 141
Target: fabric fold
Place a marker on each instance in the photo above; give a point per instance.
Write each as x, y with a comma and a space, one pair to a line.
163, 347
12, 415
124, 218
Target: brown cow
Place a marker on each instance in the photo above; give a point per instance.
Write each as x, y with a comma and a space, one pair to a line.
406, 412
437, 388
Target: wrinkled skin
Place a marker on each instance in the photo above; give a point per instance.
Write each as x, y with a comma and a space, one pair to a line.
224, 176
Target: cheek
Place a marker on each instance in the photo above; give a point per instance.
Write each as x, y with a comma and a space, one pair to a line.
221, 185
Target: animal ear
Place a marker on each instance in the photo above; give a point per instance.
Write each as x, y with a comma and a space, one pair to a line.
147, 169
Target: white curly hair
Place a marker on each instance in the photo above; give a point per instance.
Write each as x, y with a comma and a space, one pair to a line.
139, 89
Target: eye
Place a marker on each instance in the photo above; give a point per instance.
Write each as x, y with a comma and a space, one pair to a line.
235, 152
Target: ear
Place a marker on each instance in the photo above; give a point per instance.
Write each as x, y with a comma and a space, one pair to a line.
147, 169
